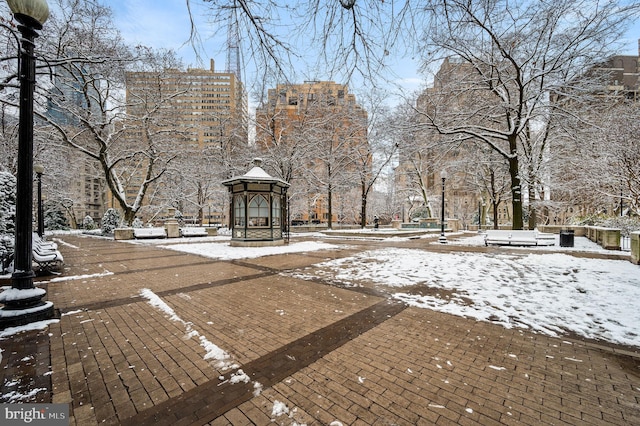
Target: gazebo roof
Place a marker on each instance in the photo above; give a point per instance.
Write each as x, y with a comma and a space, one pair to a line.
256, 175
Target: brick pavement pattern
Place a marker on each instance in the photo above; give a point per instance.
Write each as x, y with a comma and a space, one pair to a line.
296, 351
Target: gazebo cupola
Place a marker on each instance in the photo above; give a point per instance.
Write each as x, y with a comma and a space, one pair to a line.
258, 206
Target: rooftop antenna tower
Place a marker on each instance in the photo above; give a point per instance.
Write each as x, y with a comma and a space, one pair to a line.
233, 47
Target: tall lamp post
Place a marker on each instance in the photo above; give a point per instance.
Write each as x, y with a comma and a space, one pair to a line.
479, 211
39, 169
442, 239
23, 302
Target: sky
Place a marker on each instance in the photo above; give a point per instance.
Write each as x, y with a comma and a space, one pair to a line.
168, 25
165, 23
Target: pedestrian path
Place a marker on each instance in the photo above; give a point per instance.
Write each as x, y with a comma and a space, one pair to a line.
151, 336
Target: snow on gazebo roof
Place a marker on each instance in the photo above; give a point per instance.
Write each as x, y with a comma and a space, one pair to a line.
256, 174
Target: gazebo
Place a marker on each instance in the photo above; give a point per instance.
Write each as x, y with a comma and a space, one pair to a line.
258, 206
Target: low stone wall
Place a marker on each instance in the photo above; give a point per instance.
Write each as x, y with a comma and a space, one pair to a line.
432, 223
607, 238
578, 231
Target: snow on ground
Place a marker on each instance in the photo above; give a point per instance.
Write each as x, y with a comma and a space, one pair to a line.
223, 360
547, 292
581, 244
225, 251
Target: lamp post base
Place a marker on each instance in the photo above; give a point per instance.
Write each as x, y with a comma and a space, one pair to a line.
17, 317
442, 239
22, 306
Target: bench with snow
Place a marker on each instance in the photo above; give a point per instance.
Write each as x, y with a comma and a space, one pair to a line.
518, 238
41, 243
156, 232
46, 254
193, 231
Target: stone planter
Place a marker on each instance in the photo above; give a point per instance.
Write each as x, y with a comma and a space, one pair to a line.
123, 234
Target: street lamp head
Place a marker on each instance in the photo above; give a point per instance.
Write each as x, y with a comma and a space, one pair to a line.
38, 169
32, 13
443, 174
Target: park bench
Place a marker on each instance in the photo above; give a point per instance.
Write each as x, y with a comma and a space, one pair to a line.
46, 254
36, 240
193, 231
156, 232
545, 239
518, 238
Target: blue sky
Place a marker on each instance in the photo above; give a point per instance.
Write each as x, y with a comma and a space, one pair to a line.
165, 23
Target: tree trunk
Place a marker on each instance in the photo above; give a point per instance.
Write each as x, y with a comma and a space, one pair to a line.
516, 184
129, 216
329, 207
533, 216
363, 207
200, 202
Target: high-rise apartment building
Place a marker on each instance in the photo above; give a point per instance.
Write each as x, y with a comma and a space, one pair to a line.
616, 81
314, 132
196, 110
202, 104
426, 156
623, 75
81, 188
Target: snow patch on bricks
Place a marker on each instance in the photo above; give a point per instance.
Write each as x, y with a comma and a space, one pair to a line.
223, 360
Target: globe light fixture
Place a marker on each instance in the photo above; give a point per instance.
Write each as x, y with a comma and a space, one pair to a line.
36, 10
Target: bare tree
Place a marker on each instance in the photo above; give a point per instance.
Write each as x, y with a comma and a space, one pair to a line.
509, 58
415, 163
82, 65
607, 172
354, 37
198, 170
371, 159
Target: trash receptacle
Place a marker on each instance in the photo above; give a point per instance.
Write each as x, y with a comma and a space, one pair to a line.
566, 238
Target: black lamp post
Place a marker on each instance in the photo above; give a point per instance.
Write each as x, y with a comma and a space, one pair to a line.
479, 211
442, 239
23, 302
39, 169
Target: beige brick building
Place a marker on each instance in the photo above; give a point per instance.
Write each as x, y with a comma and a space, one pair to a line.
316, 116
201, 111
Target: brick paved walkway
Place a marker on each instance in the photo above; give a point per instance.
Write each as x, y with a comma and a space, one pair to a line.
327, 354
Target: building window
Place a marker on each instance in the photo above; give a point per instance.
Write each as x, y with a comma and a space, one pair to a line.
259, 211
